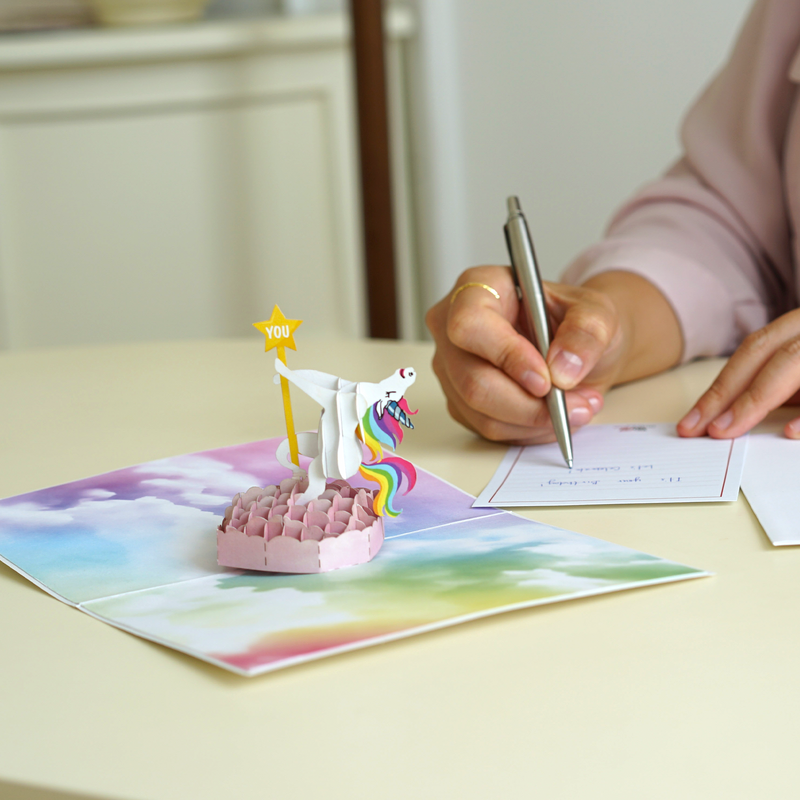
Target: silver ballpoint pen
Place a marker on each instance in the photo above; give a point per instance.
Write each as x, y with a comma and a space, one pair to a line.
531, 295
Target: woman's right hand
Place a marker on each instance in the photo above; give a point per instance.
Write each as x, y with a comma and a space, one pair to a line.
495, 379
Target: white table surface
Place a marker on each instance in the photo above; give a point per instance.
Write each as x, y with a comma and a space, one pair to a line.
685, 690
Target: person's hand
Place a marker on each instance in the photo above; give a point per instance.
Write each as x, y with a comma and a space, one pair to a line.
493, 376
761, 375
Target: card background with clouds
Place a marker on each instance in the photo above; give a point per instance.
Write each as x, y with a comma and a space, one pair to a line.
137, 548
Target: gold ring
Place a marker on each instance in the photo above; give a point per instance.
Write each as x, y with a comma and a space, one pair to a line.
467, 285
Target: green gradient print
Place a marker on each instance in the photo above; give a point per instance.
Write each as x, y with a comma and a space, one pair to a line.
256, 621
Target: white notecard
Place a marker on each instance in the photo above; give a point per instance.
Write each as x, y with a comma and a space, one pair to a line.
646, 463
771, 483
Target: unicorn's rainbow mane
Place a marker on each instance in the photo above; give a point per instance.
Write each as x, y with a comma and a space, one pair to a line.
380, 432
391, 473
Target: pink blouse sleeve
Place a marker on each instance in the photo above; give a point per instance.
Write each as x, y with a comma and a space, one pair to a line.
714, 233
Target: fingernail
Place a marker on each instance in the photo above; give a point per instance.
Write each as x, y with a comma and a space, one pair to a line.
534, 383
793, 429
596, 402
567, 366
691, 419
723, 421
579, 415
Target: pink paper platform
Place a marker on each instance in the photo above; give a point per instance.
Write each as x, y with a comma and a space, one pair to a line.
267, 530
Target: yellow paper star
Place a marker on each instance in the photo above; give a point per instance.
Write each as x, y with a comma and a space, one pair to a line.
278, 331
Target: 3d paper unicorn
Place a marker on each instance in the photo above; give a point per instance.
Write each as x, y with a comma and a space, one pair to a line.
352, 413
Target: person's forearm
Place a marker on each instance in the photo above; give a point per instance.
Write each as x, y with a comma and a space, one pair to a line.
652, 338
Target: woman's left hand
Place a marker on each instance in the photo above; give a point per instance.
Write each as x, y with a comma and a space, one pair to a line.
761, 375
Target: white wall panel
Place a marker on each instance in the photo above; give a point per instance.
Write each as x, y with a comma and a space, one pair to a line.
116, 229
572, 105
296, 227
159, 184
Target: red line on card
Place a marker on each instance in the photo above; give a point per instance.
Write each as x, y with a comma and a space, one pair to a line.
519, 454
727, 467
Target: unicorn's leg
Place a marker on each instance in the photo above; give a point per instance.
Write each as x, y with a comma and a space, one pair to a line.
307, 446
316, 482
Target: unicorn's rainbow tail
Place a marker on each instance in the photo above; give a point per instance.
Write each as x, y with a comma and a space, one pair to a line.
391, 474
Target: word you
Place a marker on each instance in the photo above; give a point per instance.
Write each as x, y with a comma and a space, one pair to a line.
279, 331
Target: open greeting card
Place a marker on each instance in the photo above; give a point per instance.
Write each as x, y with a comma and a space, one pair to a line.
136, 548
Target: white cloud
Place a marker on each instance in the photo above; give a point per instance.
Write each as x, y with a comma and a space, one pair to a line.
573, 548
486, 535
202, 616
478, 536
155, 533
142, 517
191, 494
189, 476
555, 580
27, 513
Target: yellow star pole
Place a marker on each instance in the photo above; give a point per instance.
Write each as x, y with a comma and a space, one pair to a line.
279, 333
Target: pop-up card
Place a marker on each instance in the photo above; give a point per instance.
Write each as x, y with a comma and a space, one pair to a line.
135, 548
305, 523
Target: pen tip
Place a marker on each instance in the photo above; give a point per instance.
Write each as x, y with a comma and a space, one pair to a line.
569, 463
